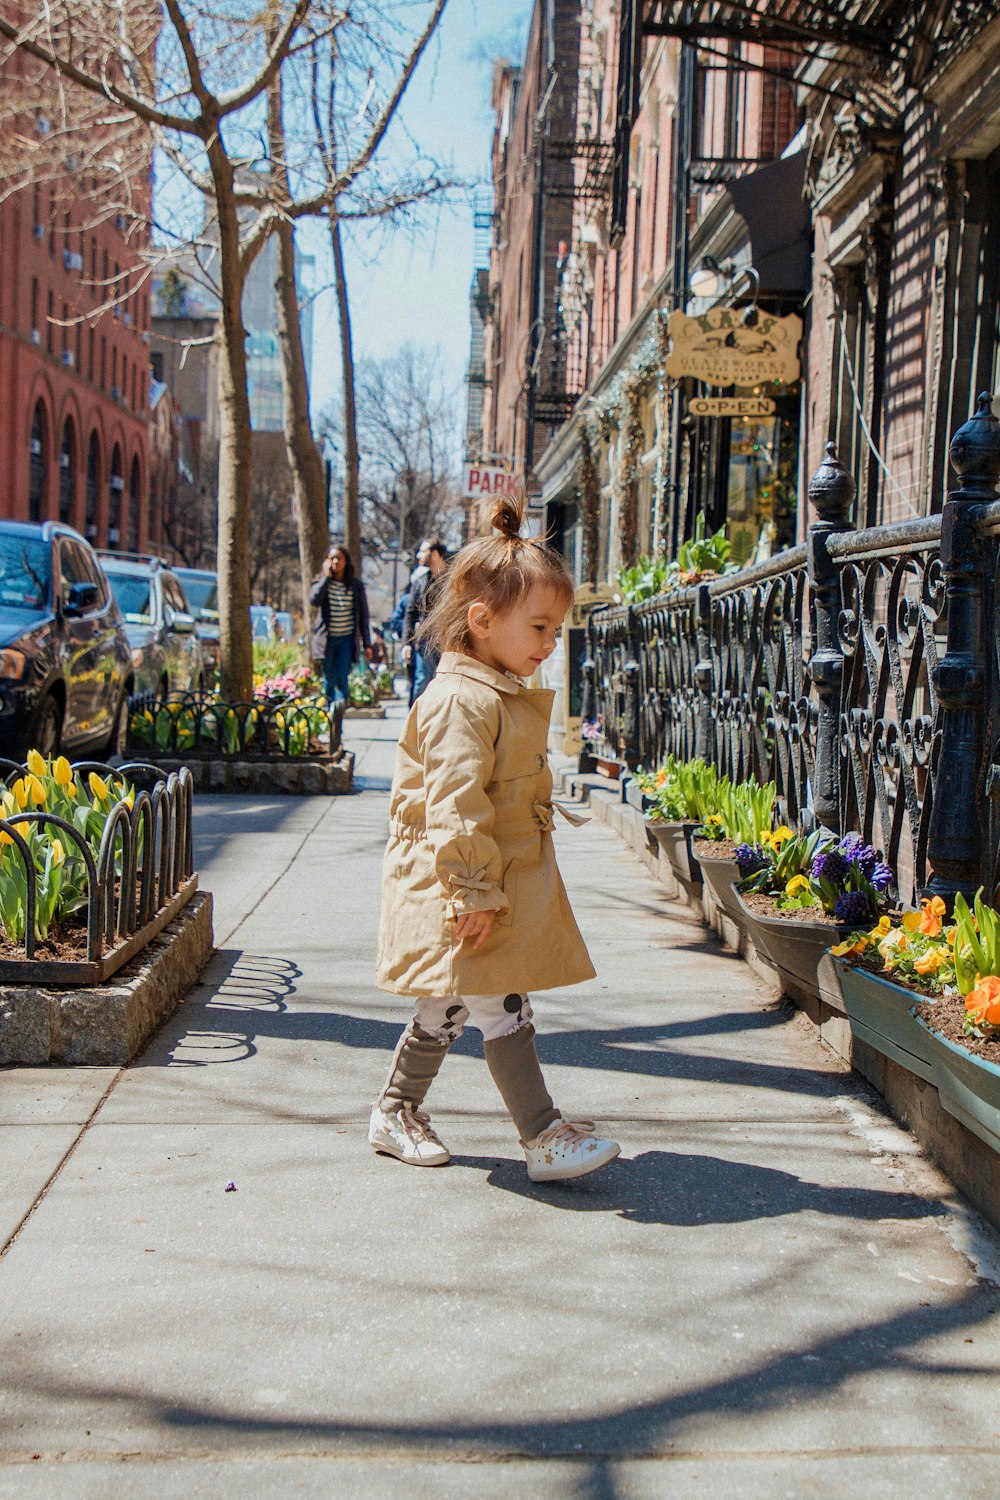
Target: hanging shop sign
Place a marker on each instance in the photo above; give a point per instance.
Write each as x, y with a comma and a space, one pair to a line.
482, 480
719, 348
731, 406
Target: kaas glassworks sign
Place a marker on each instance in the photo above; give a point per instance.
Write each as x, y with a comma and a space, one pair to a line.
718, 348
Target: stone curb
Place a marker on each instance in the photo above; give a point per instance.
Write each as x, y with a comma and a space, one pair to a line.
300, 778
107, 1025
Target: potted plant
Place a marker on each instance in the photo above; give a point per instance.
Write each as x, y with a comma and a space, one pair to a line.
885, 970
800, 894
742, 815
684, 795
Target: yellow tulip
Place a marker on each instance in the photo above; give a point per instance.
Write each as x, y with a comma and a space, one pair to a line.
36, 791
63, 772
36, 763
7, 803
20, 792
98, 787
58, 852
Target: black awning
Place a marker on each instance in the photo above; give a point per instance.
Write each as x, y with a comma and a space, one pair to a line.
771, 203
803, 23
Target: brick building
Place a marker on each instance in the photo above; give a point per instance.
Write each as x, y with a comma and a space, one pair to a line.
74, 380
742, 165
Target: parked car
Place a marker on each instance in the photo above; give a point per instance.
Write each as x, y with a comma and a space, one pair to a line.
262, 625
166, 651
202, 590
66, 671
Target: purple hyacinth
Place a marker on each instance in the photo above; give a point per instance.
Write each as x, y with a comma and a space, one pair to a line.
853, 907
750, 859
853, 847
881, 877
831, 866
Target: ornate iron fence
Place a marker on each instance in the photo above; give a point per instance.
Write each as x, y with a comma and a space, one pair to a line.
860, 672
137, 879
200, 726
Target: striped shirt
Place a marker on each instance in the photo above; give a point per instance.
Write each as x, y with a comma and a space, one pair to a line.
340, 600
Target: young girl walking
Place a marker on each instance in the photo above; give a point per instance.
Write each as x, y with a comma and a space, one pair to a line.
474, 914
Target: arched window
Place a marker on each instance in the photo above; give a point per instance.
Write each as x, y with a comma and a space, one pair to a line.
133, 507
38, 456
116, 487
67, 471
93, 487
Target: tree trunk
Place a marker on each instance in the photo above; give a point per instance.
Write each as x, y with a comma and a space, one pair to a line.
352, 483
234, 445
304, 460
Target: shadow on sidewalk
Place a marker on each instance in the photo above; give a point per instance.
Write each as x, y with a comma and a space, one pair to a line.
253, 990
690, 1191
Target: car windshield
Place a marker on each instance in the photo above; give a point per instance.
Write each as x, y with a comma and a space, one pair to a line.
25, 573
132, 591
203, 593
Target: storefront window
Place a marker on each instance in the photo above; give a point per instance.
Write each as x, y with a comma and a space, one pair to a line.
763, 477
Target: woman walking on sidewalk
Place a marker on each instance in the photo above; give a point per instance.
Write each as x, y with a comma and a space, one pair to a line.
341, 632
474, 913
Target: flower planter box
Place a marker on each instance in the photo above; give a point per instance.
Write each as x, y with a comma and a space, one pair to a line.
881, 1016
636, 797
798, 950
968, 1086
719, 873
674, 840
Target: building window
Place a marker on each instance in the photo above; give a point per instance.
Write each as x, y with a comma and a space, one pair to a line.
156, 364
116, 488
133, 507
67, 472
50, 321
93, 487
38, 462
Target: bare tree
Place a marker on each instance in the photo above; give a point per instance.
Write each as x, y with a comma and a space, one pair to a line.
408, 434
193, 79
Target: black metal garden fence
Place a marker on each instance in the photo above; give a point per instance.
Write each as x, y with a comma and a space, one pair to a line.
860, 672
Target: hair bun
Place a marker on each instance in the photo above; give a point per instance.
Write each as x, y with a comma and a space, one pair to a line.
507, 513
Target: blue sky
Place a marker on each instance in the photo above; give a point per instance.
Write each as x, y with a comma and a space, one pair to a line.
414, 285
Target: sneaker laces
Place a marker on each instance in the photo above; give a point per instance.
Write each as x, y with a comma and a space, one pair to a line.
565, 1132
417, 1124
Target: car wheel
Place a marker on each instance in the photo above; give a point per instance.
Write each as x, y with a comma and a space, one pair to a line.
119, 733
46, 731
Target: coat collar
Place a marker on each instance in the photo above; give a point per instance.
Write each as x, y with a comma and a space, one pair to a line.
468, 666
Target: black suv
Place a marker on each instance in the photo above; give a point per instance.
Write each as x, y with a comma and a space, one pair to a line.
65, 666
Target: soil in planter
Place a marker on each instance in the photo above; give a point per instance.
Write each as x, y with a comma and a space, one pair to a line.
67, 941
763, 905
714, 848
945, 1016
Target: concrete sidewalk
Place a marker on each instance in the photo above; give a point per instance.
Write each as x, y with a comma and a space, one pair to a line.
770, 1294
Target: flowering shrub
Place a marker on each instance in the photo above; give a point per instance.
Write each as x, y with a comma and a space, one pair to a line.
842, 877
297, 682
60, 871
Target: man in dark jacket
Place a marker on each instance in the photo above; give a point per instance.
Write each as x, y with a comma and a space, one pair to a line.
423, 596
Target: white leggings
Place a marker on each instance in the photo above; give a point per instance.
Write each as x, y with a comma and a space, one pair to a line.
443, 1017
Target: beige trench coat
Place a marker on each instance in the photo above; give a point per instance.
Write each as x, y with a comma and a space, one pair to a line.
470, 829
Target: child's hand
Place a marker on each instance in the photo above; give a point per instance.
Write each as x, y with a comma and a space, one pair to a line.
476, 925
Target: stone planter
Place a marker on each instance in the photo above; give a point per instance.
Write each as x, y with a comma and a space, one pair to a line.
674, 840
968, 1086
636, 797
798, 950
881, 1017
719, 873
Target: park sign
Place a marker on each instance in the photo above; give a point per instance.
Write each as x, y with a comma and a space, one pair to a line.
731, 406
719, 348
481, 481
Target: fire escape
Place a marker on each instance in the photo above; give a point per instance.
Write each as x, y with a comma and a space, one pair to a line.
479, 311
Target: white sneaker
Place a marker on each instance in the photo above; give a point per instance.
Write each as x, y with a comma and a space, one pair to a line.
408, 1135
569, 1148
